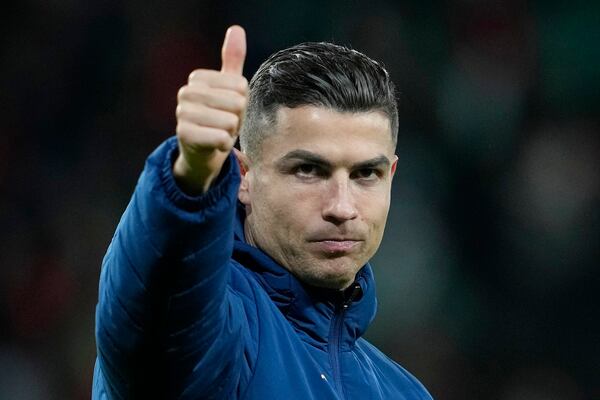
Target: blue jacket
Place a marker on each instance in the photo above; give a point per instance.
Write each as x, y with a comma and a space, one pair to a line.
187, 309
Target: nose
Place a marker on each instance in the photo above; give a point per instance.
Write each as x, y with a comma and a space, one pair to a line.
339, 203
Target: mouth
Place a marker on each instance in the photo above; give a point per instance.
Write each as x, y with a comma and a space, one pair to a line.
335, 246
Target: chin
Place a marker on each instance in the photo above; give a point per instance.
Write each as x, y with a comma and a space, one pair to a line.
334, 276
328, 283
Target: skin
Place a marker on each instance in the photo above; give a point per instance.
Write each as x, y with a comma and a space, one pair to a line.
209, 110
317, 198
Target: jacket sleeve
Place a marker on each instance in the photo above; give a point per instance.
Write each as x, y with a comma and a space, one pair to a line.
167, 325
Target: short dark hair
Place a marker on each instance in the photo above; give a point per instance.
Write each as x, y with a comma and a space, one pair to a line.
319, 74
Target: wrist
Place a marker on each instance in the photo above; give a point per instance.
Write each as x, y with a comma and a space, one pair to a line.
192, 181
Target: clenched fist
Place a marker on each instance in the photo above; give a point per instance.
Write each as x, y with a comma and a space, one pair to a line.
209, 112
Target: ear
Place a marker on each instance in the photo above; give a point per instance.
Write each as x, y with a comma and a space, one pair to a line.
394, 165
242, 160
244, 191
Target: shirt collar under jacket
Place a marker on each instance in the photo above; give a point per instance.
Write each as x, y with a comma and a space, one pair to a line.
310, 310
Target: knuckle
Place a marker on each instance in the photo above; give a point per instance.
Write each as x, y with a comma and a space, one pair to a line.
180, 111
180, 130
243, 85
182, 93
185, 112
222, 141
200, 75
195, 74
232, 122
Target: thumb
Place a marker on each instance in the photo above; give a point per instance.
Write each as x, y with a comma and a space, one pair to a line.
233, 52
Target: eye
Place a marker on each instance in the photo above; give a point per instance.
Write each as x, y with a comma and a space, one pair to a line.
366, 174
307, 171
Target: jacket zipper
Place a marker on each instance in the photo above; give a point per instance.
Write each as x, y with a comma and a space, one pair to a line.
334, 349
335, 336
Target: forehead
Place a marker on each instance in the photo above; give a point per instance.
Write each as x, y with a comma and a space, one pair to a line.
337, 136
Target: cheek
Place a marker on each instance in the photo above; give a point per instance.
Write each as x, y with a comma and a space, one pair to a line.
375, 210
275, 205
295, 210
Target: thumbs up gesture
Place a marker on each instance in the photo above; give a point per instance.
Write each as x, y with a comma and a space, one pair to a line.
209, 112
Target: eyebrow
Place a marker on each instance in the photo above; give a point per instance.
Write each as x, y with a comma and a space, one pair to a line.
313, 158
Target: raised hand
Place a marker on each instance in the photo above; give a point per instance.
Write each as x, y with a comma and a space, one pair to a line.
209, 112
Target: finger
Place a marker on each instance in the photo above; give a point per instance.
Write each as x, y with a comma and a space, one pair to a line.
221, 99
216, 79
202, 137
233, 52
208, 117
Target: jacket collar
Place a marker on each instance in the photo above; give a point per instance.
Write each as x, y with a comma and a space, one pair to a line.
312, 311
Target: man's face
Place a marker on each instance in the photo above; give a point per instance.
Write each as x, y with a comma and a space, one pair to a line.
318, 196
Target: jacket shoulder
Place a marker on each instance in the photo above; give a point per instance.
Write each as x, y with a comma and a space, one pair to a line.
395, 375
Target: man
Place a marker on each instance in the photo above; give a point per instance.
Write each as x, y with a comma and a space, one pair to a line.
245, 276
